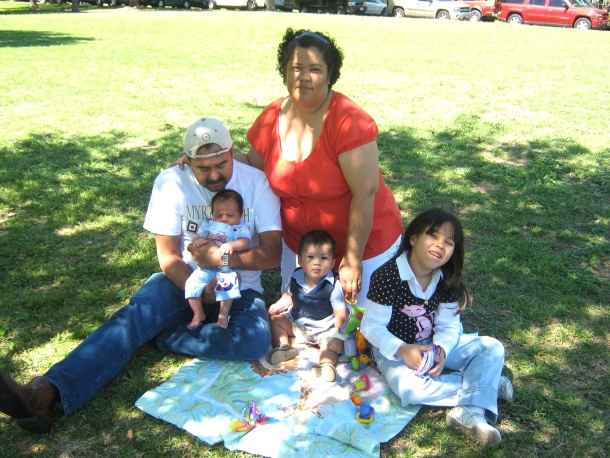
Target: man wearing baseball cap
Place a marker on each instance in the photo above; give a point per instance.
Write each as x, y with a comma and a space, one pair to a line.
179, 204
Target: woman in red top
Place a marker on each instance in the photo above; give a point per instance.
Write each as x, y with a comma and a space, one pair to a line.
319, 152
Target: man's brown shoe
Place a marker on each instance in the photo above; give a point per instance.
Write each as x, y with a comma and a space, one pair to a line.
32, 406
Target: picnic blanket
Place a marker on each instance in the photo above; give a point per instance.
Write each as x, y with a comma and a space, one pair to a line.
307, 416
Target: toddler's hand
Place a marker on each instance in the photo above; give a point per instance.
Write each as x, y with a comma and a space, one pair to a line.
274, 309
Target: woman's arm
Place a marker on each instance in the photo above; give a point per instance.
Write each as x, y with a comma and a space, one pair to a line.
360, 168
252, 157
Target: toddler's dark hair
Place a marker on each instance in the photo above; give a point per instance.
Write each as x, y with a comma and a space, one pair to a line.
316, 238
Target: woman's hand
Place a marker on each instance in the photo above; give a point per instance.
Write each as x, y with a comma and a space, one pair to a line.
184, 160
350, 276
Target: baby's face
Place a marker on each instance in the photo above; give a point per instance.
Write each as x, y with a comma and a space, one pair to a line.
317, 261
227, 212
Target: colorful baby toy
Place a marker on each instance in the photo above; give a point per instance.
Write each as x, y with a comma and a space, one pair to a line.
250, 416
365, 414
362, 384
354, 345
354, 318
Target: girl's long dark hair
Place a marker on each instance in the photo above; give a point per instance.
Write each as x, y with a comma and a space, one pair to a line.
429, 222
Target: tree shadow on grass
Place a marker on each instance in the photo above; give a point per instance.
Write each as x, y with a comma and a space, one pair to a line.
30, 38
71, 240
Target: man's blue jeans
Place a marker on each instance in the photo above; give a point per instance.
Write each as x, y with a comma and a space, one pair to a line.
159, 309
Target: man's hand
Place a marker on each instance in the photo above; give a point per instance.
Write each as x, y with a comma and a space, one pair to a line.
207, 256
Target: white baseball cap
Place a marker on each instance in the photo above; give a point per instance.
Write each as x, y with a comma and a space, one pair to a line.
206, 131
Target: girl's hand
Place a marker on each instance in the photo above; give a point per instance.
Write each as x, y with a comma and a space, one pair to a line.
440, 362
180, 162
411, 354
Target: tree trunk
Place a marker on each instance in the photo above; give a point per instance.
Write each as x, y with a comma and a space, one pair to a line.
75, 6
134, 3
270, 5
33, 5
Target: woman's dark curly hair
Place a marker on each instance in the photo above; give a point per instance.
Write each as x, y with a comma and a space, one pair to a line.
331, 53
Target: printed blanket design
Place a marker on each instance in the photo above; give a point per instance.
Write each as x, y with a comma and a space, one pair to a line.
308, 417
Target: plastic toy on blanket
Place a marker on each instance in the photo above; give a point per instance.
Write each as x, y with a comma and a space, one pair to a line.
354, 318
354, 345
250, 416
362, 384
365, 413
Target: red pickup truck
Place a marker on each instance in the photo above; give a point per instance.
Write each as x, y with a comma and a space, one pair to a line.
580, 14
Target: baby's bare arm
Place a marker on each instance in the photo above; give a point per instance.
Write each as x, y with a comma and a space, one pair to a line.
198, 241
236, 245
282, 304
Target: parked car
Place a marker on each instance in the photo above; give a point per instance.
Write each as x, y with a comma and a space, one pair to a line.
203, 4
353, 7
579, 14
100, 2
238, 4
286, 5
440, 9
481, 10
375, 8
330, 6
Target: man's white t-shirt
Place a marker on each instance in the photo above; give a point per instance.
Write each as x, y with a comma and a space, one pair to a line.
179, 205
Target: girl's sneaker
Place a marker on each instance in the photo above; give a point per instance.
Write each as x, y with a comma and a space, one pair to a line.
506, 392
473, 425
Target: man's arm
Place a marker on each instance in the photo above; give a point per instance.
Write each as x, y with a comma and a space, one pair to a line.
267, 255
170, 259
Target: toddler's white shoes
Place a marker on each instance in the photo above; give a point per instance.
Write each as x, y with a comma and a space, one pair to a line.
474, 425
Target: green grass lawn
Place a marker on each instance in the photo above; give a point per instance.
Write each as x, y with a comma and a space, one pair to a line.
506, 125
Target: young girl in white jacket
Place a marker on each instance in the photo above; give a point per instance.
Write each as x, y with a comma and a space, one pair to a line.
414, 306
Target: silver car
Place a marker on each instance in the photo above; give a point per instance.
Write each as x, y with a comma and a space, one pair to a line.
375, 8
